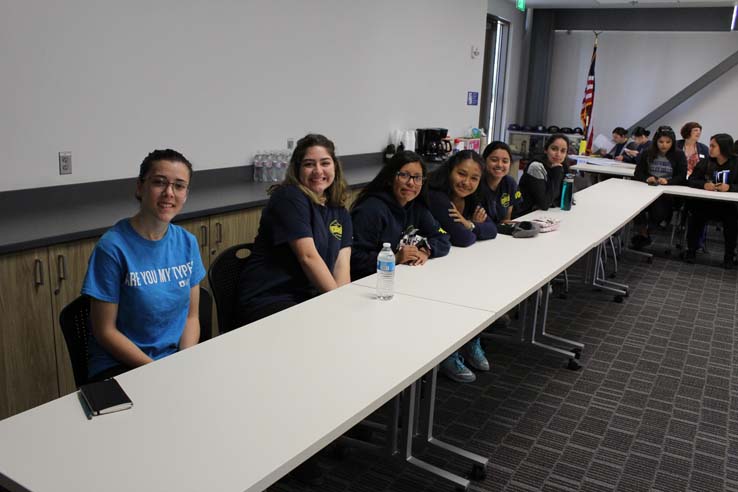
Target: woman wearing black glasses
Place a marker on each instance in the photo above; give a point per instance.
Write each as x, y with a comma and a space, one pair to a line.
393, 209
143, 276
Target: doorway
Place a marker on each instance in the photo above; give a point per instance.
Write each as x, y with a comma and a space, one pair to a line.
496, 43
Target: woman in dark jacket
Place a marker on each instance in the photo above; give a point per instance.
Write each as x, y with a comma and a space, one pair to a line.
718, 174
393, 209
540, 185
661, 164
456, 202
694, 150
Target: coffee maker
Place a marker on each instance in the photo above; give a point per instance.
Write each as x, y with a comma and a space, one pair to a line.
431, 144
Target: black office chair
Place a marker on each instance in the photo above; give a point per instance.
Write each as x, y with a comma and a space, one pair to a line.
223, 276
75, 325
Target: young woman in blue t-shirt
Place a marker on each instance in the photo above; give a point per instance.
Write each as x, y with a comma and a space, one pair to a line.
456, 202
303, 247
143, 276
499, 188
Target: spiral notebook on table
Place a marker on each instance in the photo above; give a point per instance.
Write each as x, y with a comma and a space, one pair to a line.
105, 397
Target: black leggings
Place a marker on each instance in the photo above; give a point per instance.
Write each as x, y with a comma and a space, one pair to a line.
659, 211
705, 210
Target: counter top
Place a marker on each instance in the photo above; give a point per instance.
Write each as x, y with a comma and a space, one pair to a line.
44, 216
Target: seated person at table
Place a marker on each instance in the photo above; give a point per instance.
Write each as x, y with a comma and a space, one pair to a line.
661, 164
620, 137
640, 138
718, 174
540, 185
393, 209
695, 151
500, 190
143, 276
456, 203
303, 247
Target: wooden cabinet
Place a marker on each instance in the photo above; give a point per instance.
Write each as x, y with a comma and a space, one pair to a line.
67, 269
28, 373
233, 228
200, 228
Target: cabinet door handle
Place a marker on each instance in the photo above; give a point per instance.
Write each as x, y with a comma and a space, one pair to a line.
38, 272
218, 233
61, 267
203, 236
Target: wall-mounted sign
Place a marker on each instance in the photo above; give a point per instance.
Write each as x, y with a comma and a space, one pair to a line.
472, 98
521, 5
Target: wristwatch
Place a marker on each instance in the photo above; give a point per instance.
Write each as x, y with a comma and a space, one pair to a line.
472, 226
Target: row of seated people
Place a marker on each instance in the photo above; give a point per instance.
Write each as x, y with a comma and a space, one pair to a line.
143, 274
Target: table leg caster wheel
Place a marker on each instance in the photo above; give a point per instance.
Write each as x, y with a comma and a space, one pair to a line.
478, 472
460, 488
618, 299
573, 365
627, 293
577, 353
613, 275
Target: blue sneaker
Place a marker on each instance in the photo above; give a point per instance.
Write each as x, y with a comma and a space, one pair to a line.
475, 355
454, 369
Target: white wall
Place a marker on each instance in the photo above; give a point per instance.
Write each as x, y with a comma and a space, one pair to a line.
638, 71
218, 80
517, 59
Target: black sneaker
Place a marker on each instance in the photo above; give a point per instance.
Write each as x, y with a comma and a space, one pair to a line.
728, 262
690, 256
309, 473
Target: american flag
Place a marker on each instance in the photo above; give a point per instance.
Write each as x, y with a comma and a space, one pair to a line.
589, 94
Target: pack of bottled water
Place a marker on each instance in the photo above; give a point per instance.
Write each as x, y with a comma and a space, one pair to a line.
270, 166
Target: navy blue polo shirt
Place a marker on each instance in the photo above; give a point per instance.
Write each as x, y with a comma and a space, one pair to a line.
272, 273
497, 202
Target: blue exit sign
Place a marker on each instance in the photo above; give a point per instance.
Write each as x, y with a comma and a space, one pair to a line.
521, 5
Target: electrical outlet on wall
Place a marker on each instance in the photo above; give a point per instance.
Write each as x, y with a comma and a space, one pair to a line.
290, 143
65, 163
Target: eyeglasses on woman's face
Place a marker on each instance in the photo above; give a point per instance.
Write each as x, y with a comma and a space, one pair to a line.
406, 177
161, 183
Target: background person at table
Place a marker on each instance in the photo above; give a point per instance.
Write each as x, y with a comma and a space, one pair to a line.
620, 137
718, 174
661, 164
303, 247
500, 190
695, 151
393, 209
456, 203
143, 275
640, 138
540, 185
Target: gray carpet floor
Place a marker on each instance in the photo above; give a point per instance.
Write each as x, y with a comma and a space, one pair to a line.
655, 406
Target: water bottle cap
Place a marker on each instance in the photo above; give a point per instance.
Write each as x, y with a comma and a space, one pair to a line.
386, 245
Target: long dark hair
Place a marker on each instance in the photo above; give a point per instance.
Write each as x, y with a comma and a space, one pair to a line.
653, 150
336, 194
439, 179
385, 179
543, 158
497, 144
724, 143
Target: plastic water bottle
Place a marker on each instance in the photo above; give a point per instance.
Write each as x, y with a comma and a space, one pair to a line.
386, 273
567, 189
258, 168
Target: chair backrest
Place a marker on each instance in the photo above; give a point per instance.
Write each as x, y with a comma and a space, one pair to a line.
75, 325
205, 314
223, 275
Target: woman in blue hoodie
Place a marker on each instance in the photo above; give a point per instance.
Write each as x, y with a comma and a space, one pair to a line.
393, 209
456, 201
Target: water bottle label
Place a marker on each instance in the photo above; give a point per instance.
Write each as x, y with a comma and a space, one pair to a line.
385, 266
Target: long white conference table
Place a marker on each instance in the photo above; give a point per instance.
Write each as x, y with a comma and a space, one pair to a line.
243, 409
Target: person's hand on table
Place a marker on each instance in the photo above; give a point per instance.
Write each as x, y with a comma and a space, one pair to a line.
722, 187
411, 255
619, 158
651, 180
480, 215
454, 213
662, 181
710, 186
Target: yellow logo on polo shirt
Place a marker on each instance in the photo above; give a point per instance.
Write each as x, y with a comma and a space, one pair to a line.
336, 229
518, 195
505, 200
